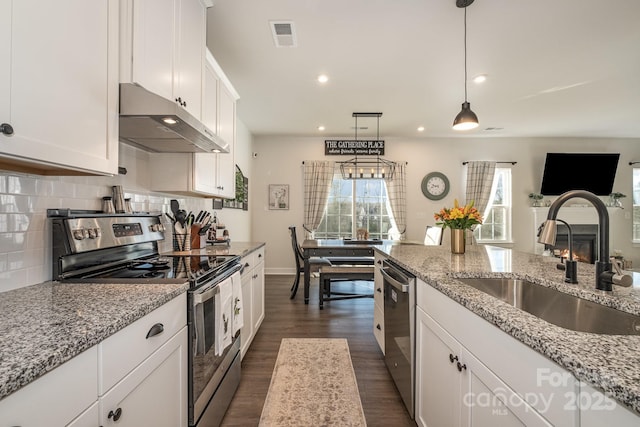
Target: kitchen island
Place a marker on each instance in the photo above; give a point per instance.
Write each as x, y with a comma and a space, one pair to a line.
608, 363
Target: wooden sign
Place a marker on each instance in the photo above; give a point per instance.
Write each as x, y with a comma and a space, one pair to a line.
334, 147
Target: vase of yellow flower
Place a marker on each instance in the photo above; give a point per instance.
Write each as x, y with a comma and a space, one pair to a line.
458, 219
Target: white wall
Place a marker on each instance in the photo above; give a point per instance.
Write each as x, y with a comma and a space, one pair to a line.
279, 161
25, 241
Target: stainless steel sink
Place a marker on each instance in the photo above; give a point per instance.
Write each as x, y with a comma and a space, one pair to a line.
556, 307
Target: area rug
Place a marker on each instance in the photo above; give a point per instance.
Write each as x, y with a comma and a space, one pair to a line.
313, 384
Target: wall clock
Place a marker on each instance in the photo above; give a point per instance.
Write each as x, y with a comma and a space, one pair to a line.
435, 186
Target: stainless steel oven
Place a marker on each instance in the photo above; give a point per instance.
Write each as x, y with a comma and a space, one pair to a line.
214, 369
399, 326
92, 247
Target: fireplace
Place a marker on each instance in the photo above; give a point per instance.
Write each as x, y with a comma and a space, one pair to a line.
585, 242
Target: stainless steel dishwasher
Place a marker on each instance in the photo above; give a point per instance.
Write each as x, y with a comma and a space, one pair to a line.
399, 325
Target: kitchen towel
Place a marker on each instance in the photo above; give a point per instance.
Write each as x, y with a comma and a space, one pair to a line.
238, 314
223, 316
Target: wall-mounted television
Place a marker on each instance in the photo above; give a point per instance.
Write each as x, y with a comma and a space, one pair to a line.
594, 172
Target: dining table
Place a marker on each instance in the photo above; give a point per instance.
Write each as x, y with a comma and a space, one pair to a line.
358, 251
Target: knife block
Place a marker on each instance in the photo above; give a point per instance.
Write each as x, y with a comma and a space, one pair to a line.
197, 241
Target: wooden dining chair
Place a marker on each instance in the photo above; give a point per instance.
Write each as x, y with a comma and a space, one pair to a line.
314, 262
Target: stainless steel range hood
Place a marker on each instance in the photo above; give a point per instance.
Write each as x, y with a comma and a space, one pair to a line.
155, 124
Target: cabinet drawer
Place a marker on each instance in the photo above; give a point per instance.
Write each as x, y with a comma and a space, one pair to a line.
249, 261
57, 397
122, 352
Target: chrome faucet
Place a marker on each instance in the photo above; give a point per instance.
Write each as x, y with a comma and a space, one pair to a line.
605, 277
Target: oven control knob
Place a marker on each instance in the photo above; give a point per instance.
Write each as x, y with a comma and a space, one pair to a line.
92, 233
78, 234
98, 232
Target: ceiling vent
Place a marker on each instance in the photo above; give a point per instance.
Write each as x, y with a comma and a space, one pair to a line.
284, 34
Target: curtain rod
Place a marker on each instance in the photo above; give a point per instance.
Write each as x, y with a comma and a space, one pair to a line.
633, 163
338, 161
513, 163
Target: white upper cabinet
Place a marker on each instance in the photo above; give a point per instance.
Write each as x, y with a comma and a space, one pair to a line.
163, 44
219, 115
59, 86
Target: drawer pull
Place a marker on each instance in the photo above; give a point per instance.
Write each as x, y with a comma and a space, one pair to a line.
378, 327
461, 367
156, 329
115, 415
453, 358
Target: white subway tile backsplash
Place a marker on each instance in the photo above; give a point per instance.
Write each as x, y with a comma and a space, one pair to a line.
25, 233
21, 184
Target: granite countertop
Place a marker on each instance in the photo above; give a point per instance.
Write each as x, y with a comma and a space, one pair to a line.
610, 363
44, 325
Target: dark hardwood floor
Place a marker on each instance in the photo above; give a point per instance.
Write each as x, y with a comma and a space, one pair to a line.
286, 318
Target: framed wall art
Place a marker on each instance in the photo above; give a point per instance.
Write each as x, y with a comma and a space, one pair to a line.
279, 196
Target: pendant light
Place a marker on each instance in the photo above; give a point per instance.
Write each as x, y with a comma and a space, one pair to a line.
466, 119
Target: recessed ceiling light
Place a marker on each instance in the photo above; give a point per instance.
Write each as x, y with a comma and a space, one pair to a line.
320, 128
421, 129
480, 78
323, 78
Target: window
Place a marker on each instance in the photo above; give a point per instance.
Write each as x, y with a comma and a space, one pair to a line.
496, 226
636, 205
353, 204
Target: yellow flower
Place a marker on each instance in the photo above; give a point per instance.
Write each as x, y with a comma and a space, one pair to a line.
458, 217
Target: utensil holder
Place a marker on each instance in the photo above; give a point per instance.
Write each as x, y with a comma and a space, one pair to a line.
182, 242
118, 198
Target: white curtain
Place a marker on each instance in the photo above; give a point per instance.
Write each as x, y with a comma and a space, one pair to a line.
479, 184
397, 192
318, 176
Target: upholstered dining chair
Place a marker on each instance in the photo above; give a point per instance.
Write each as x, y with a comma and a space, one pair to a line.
314, 262
433, 235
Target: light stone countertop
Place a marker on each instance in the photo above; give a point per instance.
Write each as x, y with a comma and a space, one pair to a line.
610, 363
44, 325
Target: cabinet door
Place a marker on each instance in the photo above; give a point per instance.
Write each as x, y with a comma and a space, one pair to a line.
257, 294
153, 43
5, 66
246, 333
190, 55
88, 418
226, 173
487, 401
154, 393
63, 84
438, 381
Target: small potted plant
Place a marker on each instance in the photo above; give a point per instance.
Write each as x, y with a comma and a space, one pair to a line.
536, 199
614, 199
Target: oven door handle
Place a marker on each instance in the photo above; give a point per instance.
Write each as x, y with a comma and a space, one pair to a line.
205, 295
402, 287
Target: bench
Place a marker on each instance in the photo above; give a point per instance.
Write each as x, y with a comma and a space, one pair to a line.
342, 273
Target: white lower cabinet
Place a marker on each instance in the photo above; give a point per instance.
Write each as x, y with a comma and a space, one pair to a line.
253, 297
154, 393
456, 389
143, 370
470, 373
